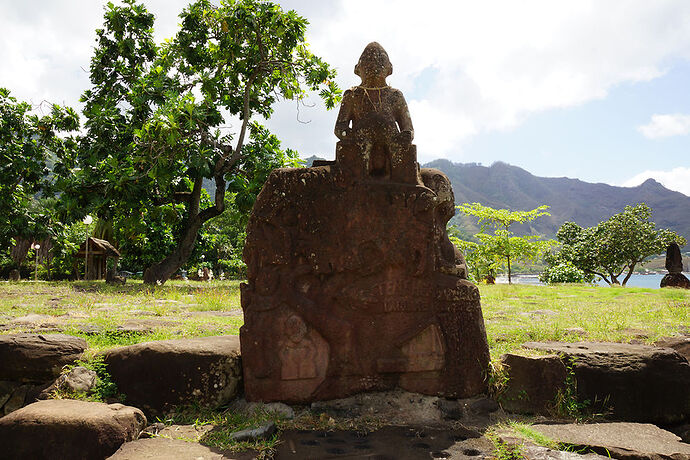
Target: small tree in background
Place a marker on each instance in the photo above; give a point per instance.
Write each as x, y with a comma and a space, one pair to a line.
480, 264
502, 247
615, 246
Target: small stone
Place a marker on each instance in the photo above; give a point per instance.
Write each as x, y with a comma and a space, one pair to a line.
152, 430
263, 432
78, 380
278, 408
166, 449
484, 406
6, 390
680, 344
17, 399
451, 409
576, 331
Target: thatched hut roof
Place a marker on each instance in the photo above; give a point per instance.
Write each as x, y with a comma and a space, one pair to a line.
98, 247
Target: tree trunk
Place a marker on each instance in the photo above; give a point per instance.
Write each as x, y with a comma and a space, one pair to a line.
630, 272
161, 272
509, 278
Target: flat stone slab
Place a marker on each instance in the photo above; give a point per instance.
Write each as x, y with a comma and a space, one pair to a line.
635, 383
166, 449
533, 451
184, 432
391, 442
37, 357
68, 429
629, 441
155, 376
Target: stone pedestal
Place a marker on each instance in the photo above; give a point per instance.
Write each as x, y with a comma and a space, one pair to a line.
347, 290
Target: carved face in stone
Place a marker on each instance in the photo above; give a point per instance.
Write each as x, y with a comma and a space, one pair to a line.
295, 329
373, 63
439, 183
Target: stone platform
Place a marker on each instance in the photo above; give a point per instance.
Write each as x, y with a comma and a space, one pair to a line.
351, 287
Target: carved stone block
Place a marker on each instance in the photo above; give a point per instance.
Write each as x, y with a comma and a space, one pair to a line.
353, 284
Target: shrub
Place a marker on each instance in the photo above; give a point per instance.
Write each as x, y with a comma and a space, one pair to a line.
563, 272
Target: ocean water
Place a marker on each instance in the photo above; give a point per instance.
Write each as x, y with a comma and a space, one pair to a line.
645, 281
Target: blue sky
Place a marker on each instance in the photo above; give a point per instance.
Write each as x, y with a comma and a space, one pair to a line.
588, 89
597, 141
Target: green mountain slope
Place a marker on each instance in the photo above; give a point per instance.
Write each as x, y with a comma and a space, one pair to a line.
504, 186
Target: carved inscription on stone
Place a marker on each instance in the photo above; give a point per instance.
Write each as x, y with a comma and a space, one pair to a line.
425, 351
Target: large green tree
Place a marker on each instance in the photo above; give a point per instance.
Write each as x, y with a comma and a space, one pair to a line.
502, 247
30, 144
614, 248
158, 116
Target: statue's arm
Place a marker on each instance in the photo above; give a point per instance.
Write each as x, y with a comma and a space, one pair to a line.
402, 115
342, 124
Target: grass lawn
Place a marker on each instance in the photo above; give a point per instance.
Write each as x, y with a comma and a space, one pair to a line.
515, 314
107, 316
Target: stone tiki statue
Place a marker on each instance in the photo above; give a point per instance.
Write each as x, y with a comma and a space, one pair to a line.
353, 284
674, 265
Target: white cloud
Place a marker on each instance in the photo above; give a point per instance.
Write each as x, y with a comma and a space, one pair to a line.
494, 62
497, 62
677, 179
675, 124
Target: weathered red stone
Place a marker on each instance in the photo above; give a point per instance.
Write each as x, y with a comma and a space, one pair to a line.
353, 284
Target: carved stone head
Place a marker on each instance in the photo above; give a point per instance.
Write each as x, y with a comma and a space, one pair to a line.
437, 181
373, 62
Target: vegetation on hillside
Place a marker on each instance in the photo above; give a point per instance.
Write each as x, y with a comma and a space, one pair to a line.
509, 187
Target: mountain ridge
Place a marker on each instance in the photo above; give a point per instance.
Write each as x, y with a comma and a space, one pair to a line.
502, 185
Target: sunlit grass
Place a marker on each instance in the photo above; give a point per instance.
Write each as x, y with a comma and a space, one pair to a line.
107, 316
515, 314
